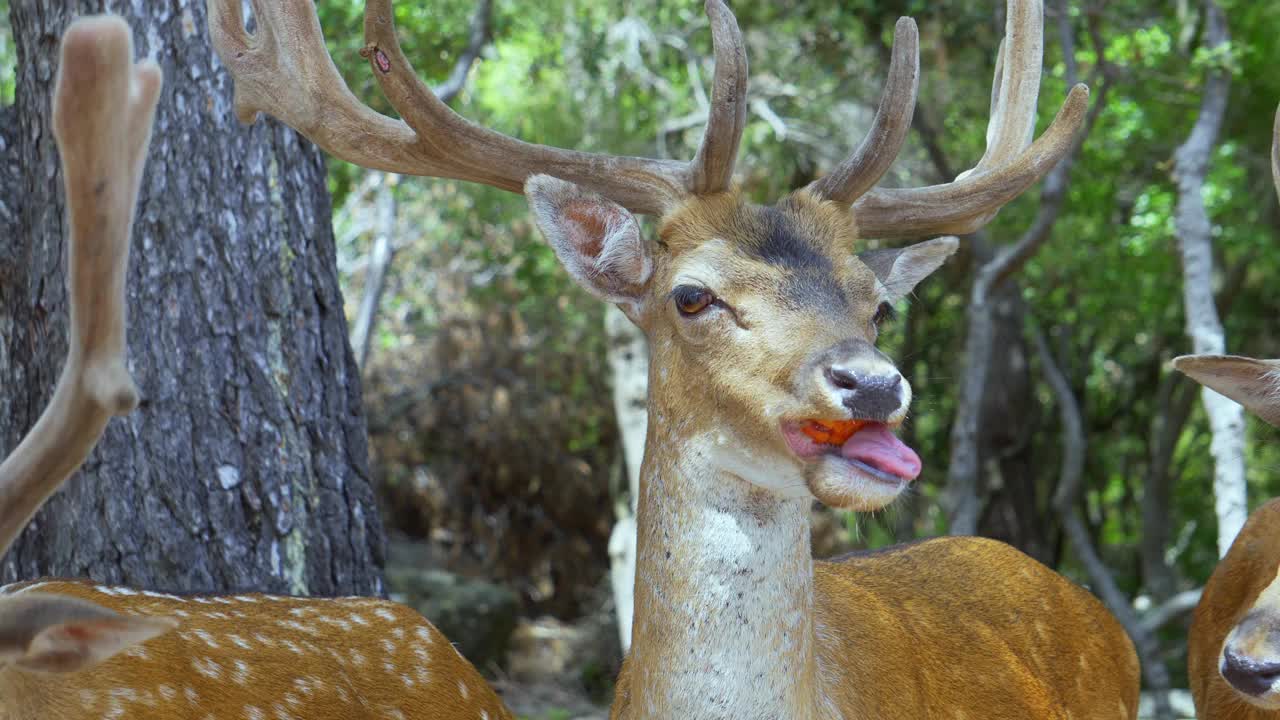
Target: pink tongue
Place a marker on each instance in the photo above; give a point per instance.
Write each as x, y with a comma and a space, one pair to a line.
882, 450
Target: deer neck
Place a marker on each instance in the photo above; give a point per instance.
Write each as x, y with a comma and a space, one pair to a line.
724, 590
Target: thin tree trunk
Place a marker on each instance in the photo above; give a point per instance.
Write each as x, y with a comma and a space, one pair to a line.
629, 362
375, 276
245, 466
1065, 503
1191, 163
1175, 400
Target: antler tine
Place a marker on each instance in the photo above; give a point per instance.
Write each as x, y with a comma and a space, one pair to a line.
102, 116
1016, 87
864, 168
961, 207
1007, 168
712, 168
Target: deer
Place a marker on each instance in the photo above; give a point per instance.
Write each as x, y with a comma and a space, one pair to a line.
77, 650
1233, 653
766, 390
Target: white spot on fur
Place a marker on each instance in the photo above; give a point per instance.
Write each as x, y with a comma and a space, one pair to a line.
241, 674
207, 667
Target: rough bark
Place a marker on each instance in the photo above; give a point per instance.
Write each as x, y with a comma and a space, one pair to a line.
1191, 163
629, 365
1066, 502
245, 466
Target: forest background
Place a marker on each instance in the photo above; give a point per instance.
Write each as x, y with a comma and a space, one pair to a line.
495, 449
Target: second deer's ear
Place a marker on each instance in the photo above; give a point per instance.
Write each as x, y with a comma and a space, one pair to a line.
1254, 384
596, 239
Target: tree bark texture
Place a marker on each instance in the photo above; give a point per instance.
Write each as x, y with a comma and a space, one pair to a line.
246, 465
1191, 163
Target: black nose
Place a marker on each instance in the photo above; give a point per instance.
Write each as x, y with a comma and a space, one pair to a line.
1249, 676
868, 397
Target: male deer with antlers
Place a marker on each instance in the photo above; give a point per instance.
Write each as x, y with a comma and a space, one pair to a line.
1233, 650
766, 390
75, 650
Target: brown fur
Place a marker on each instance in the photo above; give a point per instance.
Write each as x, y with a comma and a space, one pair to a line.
305, 658
1231, 594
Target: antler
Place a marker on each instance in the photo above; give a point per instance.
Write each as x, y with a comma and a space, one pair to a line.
1011, 164
284, 69
102, 114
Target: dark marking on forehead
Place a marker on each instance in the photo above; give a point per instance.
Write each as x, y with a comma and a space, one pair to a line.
783, 246
810, 276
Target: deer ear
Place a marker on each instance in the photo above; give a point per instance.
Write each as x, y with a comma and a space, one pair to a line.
901, 269
1254, 384
59, 634
596, 239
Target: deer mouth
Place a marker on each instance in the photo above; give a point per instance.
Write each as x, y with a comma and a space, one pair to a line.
866, 446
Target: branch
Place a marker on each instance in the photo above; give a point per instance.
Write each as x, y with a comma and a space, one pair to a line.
1067, 499
481, 32
375, 278
1171, 609
103, 109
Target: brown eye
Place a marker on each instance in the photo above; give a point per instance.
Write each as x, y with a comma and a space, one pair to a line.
691, 300
884, 312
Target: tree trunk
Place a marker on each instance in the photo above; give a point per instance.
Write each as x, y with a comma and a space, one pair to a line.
380, 258
9, 198
1191, 163
629, 362
246, 465
1174, 401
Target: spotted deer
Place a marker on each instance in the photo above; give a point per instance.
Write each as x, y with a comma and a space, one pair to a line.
76, 650
766, 389
1233, 649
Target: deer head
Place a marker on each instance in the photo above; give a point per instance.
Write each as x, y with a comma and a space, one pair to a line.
762, 319
102, 110
1236, 633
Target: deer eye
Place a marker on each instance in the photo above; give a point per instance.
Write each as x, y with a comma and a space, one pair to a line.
691, 300
884, 312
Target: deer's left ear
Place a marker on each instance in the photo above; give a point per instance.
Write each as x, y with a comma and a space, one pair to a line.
596, 239
1254, 384
901, 269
